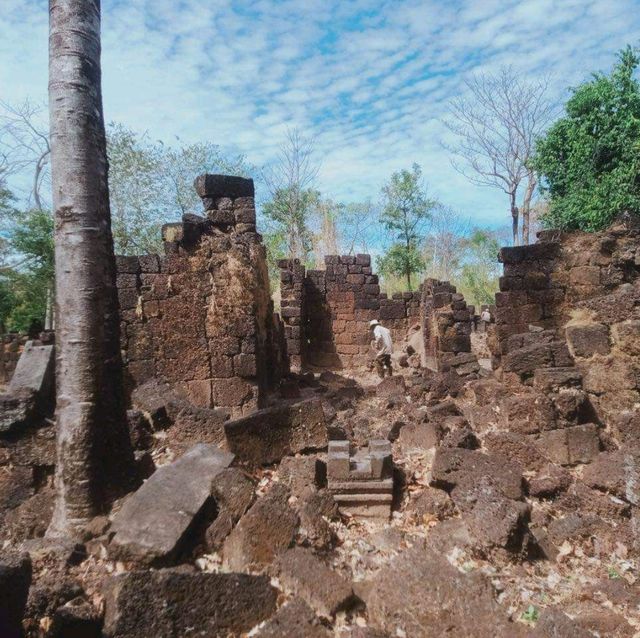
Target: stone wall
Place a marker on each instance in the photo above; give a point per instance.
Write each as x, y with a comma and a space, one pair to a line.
200, 317
543, 282
10, 347
327, 312
572, 303
446, 327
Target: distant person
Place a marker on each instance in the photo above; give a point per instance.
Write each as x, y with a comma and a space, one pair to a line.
383, 347
486, 316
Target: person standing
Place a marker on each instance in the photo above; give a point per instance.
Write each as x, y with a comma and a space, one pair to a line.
383, 346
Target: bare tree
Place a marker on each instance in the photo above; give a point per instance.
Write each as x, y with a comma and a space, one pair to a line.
91, 442
444, 246
24, 144
496, 128
358, 226
325, 240
292, 197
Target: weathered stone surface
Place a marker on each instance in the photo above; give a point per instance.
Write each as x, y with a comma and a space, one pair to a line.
458, 470
303, 475
616, 473
170, 603
306, 576
553, 379
315, 510
517, 447
295, 619
549, 481
431, 504
586, 340
267, 529
528, 413
16, 409
233, 493
217, 186
554, 623
154, 521
15, 579
418, 437
77, 618
419, 592
391, 387
268, 435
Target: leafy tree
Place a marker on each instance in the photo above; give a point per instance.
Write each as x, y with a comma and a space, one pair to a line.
480, 271
151, 183
589, 160
406, 210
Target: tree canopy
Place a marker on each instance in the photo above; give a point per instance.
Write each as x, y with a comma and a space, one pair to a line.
589, 160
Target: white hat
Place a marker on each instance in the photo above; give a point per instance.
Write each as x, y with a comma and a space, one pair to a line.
374, 322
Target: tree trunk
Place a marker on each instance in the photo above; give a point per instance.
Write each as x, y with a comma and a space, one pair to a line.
526, 206
514, 218
92, 442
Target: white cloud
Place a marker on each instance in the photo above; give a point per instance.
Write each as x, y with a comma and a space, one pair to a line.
369, 79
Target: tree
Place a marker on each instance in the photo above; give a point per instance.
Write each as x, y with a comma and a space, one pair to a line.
292, 197
92, 451
480, 271
24, 145
357, 226
496, 128
151, 183
406, 210
589, 160
444, 246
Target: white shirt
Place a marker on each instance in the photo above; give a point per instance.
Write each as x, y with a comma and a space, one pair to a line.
382, 340
485, 316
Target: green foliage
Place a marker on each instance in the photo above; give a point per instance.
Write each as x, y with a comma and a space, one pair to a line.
24, 283
478, 280
589, 160
288, 212
404, 215
531, 615
612, 572
151, 183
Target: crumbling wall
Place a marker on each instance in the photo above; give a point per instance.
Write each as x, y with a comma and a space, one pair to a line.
10, 347
200, 317
327, 312
446, 327
543, 282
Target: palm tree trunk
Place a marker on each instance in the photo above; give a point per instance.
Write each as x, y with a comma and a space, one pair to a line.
89, 410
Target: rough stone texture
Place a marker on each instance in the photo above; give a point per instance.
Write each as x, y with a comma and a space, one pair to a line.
155, 520
306, 576
170, 603
549, 481
303, 475
419, 592
266, 530
327, 312
431, 504
15, 579
201, 317
268, 435
233, 492
295, 619
616, 473
391, 387
458, 470
77, 618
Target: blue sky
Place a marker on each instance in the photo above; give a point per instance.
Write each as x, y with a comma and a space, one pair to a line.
369, 79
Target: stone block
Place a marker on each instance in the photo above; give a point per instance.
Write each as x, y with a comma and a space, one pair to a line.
294, 619
231, 392
128, 265
268, 435
216, 186
265, 531
170, 602
306, 576
15, 579
153, 521
587, 340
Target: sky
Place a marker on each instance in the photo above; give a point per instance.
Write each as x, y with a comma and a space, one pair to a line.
369, 80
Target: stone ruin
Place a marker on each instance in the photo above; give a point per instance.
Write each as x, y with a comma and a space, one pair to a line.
520, 471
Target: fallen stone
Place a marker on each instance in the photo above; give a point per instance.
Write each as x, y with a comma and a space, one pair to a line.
306, 576
295, 619
15, 579
76, 619
589, 339
169, 603
554, 379
266, 530
418, 437
459, 470
316, 510
528, 413
303, 475
616, 473
549, 481
554, 623
569, 446
233, 492
17, 409
140, 430
419, 593
456, 432
154, 522
431, 505
266, 436
391, 387
517, 447
193, 424
158, 401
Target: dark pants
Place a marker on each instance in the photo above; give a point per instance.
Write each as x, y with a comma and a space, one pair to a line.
383, 365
